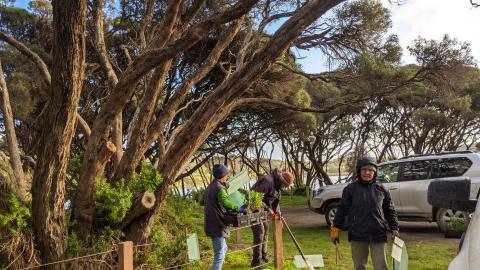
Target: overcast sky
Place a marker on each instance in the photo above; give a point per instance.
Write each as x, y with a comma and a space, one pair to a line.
428, 18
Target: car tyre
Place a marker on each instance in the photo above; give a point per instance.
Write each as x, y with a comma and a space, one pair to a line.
445, 215
330, 212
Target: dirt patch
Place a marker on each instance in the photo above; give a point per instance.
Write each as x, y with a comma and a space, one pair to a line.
426, 232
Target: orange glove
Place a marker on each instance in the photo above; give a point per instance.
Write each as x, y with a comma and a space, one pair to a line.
335, 234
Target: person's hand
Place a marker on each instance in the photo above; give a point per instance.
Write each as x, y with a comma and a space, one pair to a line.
243, 210
271, 213
395, 233
278, 213
335, 234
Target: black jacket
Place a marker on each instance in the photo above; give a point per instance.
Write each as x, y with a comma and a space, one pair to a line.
214, 224
369, 210
270, 186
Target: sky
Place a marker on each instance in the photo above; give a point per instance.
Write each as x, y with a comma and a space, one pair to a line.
430, 19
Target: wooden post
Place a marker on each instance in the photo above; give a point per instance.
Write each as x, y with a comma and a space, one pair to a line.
278, 242
238, 236
125, 256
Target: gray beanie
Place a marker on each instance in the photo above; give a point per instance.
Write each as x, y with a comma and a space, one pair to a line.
219, 171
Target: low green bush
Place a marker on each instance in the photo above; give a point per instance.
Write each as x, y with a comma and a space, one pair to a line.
113, 201
15, 215
255, 201
179, 217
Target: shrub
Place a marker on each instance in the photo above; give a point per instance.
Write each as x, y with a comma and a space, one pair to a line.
255, 200
113, 202
16, 215
170, 231
147, 179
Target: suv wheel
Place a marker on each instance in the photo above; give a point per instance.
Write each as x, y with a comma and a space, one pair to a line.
330, 212
445, 216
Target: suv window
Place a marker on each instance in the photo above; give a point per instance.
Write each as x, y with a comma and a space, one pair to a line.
417, 170
451, 167
388, 173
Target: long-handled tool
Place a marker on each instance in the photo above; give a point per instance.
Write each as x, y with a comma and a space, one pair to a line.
296, 244
338, 255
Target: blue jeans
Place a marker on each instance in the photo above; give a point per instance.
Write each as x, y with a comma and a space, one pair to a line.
220, 249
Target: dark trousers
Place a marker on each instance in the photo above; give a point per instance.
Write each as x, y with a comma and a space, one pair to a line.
260, 241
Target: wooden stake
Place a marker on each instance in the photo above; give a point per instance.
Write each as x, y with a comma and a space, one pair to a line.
238, 236
125, 255
278, 242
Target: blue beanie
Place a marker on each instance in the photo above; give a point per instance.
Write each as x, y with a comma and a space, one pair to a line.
219, 171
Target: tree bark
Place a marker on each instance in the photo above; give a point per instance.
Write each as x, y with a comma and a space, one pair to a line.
13, 151
48, 191
219, 104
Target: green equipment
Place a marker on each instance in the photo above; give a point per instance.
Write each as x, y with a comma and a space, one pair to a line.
234, 184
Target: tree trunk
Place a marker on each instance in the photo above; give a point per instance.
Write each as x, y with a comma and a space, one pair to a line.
117, 138
20, 186
48, 191
142, 204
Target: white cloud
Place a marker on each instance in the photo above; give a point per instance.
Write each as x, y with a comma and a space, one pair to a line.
432, 19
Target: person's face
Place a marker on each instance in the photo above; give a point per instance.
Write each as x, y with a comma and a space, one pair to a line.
367, 173
225, 178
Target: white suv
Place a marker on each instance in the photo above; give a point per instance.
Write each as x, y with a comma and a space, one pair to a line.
407, 179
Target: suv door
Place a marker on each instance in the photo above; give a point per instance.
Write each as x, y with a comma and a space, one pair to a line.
388, 175
416, 176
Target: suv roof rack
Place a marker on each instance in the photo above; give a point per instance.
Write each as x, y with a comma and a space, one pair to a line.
440, 154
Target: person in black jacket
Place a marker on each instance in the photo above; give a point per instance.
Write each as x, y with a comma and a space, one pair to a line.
271, 186
216, 205
368, 210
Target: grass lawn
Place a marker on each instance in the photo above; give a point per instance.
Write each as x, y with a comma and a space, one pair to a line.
316, 241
